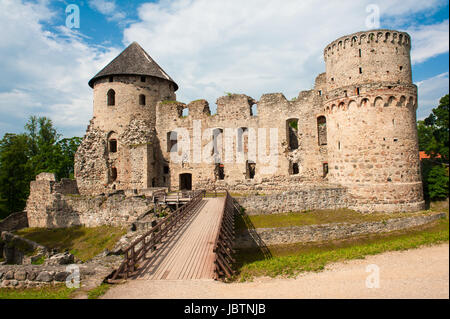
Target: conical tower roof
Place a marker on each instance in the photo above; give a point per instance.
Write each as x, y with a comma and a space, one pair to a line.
133, 61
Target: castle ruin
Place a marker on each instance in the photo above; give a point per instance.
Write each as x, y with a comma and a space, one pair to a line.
353, 135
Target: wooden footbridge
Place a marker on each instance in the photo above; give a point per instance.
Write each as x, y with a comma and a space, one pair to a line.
193, 242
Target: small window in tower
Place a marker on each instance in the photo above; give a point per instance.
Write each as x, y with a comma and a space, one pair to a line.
332, 79
166, 169
219, 171
141, 99
111, 97
113, 174
113, 146
360, 70
325, 169
295, 168
395, 139
345, 93
142, 78
322, 130
357, 91
339, 145
320, 92
359, 52
250, 169
401, 68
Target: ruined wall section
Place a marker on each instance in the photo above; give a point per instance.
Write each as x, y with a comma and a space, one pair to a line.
50, 207
91, 162
235, 111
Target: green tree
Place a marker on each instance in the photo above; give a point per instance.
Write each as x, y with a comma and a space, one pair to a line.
23, 156
15, 175
67, 148
438, 182
433, 133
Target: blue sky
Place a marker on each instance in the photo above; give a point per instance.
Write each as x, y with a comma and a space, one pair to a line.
207, 46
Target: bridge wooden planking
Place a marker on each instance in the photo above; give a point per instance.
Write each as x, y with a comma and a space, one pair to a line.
189, 253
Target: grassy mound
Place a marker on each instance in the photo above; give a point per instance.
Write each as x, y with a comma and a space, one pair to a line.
83, 242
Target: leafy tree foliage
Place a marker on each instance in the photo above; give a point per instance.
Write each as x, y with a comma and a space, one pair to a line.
23, 156
434, 140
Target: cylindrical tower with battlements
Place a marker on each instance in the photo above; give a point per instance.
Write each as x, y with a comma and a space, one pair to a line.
370, 107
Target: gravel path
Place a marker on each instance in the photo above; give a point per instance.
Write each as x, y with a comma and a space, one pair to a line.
417, 273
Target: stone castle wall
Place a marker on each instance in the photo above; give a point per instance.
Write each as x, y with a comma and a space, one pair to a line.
355, 128
48, 207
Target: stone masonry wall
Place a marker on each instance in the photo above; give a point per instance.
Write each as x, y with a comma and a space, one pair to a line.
295, 201
325, 232
48, 208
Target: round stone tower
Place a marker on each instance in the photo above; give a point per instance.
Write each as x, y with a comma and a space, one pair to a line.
119, 150
370, 108
129, 87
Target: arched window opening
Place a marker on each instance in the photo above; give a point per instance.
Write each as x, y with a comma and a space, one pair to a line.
172, 140
254, 110
217, 137
242, 140
111, 97
185, 112
141, 99
113, 146
113, 174
322, 130
292, 133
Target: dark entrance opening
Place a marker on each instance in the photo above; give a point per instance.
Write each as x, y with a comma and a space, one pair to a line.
185, 181
219, 171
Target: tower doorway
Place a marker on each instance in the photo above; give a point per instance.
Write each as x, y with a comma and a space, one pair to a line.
186, 181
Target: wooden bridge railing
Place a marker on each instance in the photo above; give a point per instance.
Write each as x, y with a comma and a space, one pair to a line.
138, 249
223, 245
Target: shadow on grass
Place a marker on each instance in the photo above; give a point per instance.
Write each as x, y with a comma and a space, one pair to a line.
258, 249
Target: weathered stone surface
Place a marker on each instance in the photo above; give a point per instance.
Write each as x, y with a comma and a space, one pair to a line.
326, 232
44, 276
60, 259
61, 276
20, 275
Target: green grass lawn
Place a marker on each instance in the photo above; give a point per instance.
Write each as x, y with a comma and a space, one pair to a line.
56, 292
83, 242
318, 217
289, 260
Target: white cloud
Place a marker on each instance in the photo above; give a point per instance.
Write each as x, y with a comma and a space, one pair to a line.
107, 8
208, 46
429, 41
45, 73
256, 46
430, 92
